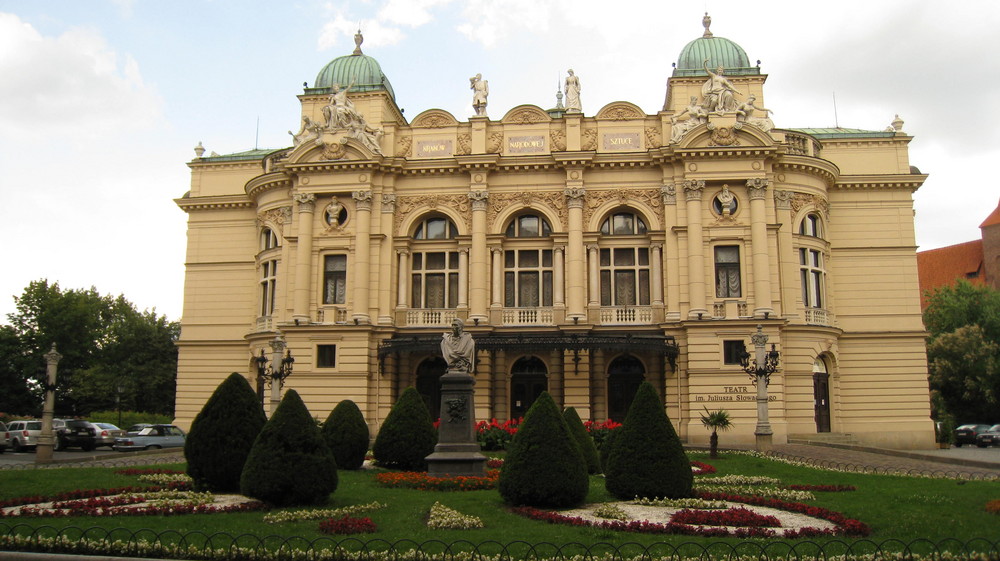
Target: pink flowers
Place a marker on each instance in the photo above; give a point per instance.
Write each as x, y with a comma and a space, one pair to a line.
347, 525
738, 516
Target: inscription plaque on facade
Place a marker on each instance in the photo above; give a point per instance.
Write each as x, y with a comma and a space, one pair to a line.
525, 144
626, 141
435, 148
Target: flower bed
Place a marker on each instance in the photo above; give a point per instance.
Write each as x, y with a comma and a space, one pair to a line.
738, 516
347, 525
701, 468
441, 517
424, 482
317, 513
824, 488
846, 526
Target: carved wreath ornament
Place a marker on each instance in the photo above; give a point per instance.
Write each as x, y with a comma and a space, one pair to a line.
724, 136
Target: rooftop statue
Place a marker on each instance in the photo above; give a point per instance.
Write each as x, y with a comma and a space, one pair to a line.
310, 130
696, 115
480, 91
718, 91
341, 114
744, 114
573, 93
458, 348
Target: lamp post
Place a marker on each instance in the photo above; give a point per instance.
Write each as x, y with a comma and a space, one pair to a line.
276, 373
118, 401
43, 453
760, 369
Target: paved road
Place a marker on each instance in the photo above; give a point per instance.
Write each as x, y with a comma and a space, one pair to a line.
74, 457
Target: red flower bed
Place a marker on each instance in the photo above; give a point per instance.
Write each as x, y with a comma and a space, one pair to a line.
829, 488
845, 526
494, 463
423, 482
495, 436
347, 525
738, 516
701, 468
88, 493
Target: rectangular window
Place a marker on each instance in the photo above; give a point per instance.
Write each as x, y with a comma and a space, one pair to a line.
268, 284
335, 279
727, 272
811, 271
732, 351
326, 356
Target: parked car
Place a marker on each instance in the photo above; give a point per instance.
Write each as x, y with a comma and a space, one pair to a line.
58, 428
134, 429
966, 434
24, 434
989, 438
88, 435
4, 438
151, 438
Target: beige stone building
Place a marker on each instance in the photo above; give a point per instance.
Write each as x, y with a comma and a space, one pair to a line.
585, 253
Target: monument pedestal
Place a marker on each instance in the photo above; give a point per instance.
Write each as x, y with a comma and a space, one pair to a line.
457, 451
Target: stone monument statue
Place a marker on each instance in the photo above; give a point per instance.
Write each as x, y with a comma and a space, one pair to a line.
744, 114
458, 348
718, 92
573, 93
480, 91
696, 115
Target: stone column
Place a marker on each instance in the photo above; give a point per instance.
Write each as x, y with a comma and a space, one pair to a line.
790, 300
559, 277
656, 262
386, 211
463, 280
594, 273
402, 280
303, 258
757, 189
693, 189
575, 265
497, 277
362, 255
475, 282
671, 261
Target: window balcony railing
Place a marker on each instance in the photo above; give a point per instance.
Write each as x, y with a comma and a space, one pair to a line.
263, 323
622, 315
731, 309
331, 315
818, 316
430, 317
528, 316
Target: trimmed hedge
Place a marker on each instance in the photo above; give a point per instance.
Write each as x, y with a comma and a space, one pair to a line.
544, 466
587, 446
646, 458
290, 463
222, 435
346, 433
407, 435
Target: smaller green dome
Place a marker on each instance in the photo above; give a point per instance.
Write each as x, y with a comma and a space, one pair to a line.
357, 68
718, 50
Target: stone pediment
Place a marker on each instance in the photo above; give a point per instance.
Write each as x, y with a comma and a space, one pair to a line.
724, 135
434, 118
331, 147
620, 111
526, 115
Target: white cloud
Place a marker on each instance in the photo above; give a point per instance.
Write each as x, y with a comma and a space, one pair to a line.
411, 13
74, 82
338, 33
490, 21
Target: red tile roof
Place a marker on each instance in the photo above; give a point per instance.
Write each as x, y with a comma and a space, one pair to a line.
943, 266
992, 219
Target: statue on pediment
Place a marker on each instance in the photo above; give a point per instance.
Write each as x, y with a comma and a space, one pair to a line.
341, 114
310, 130
696, 115
480, 91
718, 92
573, 104
745, 114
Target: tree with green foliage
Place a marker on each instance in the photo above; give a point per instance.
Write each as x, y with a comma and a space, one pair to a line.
290, 463
346, 432
222, 434
587, 446
715, 421
647, 459
104, 342
963, 352
407, 435
544, 466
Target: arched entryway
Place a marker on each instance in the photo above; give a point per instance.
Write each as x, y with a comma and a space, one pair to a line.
429, 374
625, 373
821, 395
528, 379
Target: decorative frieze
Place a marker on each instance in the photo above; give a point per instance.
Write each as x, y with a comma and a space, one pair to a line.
406, 205
275, 217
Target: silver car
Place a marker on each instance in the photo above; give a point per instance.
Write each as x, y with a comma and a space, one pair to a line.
151, 438
4, 438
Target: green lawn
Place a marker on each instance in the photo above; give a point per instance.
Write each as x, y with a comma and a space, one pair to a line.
895, 507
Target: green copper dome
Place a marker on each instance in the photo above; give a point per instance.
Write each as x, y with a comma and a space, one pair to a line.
718, 50
357, 68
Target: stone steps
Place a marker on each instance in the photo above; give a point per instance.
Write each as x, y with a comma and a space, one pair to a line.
823, 438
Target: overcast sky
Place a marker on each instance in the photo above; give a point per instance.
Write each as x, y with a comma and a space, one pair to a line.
102, 102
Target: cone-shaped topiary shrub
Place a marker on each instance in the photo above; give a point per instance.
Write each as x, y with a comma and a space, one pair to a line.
587, 446
646, 459
346, 433
407, 435
544, 466
606, 446
290, 463
222, 434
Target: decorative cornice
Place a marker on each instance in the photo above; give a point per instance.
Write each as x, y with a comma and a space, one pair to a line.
856, 182
214, 203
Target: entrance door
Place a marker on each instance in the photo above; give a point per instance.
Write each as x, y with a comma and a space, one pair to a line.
527, 381
821, 395
429, 384
624, 376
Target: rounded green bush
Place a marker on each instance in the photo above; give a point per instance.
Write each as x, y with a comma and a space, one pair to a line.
222, 435
646, 458
346, 433
290, 463
587, 446
544, 466
407, 436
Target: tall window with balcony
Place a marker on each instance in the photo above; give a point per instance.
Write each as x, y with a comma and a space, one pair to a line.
268, 274
334, 288
812, 270
727, 272
434, 269
624, 269
528, 271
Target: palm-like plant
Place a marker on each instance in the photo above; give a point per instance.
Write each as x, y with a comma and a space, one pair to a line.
716, 420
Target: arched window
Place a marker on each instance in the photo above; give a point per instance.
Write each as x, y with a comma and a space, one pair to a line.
624, 267
623, 224
434, 265
268, 272
268, 239
528, 226
811, 226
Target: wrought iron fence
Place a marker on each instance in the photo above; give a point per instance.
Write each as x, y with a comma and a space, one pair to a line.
172, 544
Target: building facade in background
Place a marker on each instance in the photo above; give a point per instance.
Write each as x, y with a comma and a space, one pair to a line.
585, 253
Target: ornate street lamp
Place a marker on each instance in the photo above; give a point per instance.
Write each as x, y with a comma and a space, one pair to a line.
275, 374
760, 369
